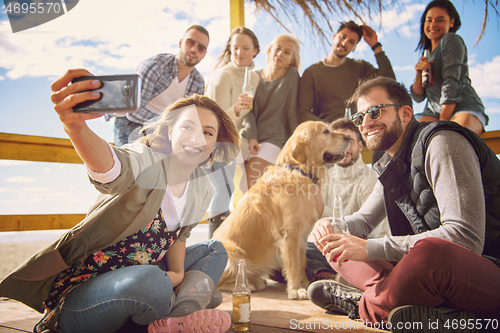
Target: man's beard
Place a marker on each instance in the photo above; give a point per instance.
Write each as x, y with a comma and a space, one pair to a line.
186, 62
388, 139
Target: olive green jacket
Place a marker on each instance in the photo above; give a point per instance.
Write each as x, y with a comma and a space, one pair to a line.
124, 206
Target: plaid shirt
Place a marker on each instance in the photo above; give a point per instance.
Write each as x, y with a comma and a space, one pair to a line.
157, 74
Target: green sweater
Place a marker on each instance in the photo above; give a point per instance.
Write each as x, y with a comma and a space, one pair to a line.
323, 89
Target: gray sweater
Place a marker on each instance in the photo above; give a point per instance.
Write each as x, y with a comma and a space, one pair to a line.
452, 84
453, 171
274, 115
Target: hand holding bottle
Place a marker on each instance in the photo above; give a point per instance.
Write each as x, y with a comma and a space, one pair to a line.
244, 102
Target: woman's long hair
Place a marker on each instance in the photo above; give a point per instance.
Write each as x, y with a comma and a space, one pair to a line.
225, 57
296, 48
446, 5
228, 139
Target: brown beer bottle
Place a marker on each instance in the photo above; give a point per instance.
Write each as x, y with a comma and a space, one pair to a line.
427, 75
241, 300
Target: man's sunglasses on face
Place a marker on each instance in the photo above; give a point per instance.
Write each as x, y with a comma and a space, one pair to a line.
374, 112
191, 42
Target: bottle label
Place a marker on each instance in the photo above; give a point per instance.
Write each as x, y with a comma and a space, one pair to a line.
244, 313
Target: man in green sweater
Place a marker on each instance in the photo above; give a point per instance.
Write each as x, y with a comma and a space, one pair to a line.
326, 85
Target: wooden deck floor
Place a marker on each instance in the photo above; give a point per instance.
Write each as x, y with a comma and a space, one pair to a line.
272, 311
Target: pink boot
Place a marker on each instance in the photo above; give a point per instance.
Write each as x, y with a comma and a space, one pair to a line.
202, 321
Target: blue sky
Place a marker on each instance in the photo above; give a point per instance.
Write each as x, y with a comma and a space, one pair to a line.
113, 36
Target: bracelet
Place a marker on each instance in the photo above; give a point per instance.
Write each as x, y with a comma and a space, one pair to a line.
377, 44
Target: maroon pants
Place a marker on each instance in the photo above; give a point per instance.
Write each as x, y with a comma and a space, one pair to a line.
434, 272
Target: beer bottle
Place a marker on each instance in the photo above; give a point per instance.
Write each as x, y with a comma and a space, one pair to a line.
427, 75
247, 85
338, 217
241, 300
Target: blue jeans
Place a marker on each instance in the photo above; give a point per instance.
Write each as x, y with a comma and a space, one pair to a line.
221, 176
125, 131
142, 292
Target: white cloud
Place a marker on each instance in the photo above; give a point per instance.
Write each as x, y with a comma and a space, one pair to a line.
46, 170
115, 34
20, 179
6, 189
13, 163
485, 78
36, 189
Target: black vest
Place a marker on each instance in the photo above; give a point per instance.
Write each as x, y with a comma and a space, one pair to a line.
409, 197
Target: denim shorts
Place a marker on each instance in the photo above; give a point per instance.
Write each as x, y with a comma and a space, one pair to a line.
479, 115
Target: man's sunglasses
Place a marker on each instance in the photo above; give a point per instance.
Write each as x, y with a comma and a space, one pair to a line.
191, 42
374, 112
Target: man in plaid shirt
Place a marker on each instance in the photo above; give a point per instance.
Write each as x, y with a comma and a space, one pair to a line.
165, 79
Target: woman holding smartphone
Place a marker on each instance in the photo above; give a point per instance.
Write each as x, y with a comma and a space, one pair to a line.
274, 115
123, 261
451, 96
225, 87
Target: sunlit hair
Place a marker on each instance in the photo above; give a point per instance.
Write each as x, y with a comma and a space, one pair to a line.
225, 57
198, 28
447, 6
296, 48
346, 124
351, 25
397, 92
228, 139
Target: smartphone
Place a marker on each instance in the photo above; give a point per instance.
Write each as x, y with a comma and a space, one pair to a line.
119, 94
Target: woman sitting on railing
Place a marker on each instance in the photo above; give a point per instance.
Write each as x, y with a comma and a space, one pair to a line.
123, 261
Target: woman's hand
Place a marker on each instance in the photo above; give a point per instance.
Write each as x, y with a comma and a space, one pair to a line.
93, 150
422, 64
419, 67
244, 102
346, 247
65, 96
253, 146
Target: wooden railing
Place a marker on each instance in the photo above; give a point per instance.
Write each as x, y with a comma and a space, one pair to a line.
45, 149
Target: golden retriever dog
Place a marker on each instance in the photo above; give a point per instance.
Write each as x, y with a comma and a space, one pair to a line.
270, 225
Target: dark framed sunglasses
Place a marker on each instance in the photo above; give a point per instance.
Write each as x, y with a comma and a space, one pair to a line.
191, 42
374, 112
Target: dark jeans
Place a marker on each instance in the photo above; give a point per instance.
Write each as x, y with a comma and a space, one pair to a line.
316, 261
435, 272
125, 131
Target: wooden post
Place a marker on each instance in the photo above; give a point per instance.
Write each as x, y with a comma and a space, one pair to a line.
236, 13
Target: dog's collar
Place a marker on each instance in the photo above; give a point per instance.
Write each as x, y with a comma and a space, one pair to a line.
314, 179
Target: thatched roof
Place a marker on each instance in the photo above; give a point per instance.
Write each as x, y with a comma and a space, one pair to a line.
319, 12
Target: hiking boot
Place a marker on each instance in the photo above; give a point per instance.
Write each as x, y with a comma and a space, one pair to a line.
420, 318
214, 321
333, 296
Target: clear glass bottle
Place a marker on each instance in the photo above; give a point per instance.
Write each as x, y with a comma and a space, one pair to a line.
427, 75
338, 218
247, 85
338, 214
241, 300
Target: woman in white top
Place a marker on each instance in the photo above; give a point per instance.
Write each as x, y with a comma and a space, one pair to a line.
123, 261
225, 87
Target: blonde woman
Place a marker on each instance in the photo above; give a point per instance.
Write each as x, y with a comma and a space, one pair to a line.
225, 87
274, 115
